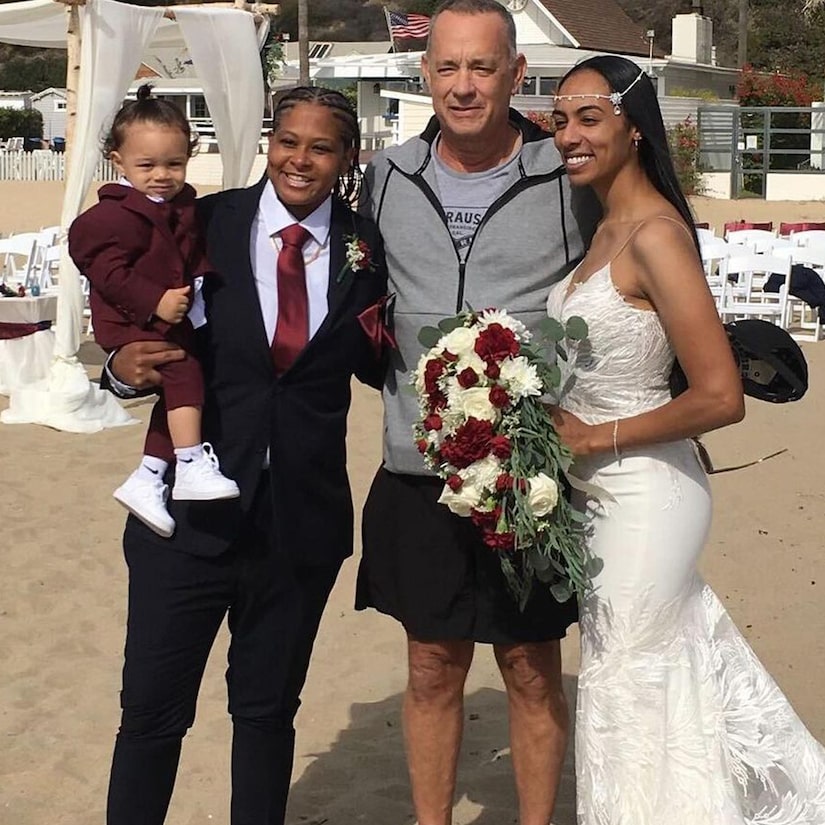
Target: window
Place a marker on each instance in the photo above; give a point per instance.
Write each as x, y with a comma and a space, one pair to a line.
547, 86
60, 105
198, 106
528, 86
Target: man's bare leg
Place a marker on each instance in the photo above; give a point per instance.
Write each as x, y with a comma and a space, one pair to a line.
433, 724
539, 724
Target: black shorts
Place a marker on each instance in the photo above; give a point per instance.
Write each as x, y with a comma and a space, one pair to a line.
429, 569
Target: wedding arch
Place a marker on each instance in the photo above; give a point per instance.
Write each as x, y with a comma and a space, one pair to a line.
106, 41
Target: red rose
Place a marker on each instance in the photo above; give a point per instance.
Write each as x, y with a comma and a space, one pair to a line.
492, 370
449, 356
504, 482
455, 482
433, 370
500, 541
500, 446
467, 378
422, 445
498, 397
433, 422
495, 343
486, 519
438, 401
364, 249
469, 443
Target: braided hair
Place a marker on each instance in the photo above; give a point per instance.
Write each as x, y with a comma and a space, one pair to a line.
349, 184
147, 109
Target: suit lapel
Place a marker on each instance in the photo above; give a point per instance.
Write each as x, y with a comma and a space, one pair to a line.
233, 221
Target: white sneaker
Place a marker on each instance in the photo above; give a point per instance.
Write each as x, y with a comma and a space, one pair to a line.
146, 499
202, 480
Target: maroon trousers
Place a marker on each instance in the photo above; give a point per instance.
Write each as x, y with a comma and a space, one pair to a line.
182, 387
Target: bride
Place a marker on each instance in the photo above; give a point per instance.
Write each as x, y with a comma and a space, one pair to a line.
677, 721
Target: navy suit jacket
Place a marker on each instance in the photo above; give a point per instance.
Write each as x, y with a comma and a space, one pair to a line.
299, 417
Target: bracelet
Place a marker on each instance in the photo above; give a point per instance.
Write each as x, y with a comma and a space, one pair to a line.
615, 440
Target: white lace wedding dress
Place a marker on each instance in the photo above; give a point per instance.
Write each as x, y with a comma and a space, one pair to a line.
677, 722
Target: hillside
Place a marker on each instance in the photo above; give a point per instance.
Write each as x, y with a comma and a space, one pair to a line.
780, 36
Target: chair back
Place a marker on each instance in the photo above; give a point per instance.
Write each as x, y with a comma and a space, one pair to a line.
759, 239
738, 226
803, 226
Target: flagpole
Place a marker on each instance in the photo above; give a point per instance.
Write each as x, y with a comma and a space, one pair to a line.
389, 28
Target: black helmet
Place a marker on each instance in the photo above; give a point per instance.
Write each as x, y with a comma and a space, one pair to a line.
772, 366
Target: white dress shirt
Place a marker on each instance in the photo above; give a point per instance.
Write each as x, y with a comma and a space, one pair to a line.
265, 243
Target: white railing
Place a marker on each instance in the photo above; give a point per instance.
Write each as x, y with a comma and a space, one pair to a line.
43, 164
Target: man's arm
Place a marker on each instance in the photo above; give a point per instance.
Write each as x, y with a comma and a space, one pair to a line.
131, 371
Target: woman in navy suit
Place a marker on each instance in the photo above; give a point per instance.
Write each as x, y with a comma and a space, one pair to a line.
277, 397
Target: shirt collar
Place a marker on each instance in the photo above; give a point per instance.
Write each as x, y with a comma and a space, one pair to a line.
277, 217
124, 182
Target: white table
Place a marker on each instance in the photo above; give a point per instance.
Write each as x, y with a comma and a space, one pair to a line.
26, 359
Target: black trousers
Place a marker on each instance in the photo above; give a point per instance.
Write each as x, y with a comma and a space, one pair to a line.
176, 605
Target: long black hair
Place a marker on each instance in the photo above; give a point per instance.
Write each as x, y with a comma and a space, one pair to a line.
349, 184
641, 107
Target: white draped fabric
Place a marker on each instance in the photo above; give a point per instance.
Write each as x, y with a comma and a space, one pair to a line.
224, 49
42, 23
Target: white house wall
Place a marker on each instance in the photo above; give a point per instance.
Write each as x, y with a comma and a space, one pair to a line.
533, 26
413, 117
54, 122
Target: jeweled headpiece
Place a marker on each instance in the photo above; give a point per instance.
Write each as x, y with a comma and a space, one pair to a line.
614, 97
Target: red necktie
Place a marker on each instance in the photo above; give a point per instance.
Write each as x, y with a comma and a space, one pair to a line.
292, 328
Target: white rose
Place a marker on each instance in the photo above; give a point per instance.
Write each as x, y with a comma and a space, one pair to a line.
475, 403
471, 360
520, 377
543, 495
459, 341
462, 501
418, 374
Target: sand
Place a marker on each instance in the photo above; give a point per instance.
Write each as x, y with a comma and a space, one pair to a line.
63, 599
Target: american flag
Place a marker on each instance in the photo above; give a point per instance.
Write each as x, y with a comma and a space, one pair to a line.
407, 25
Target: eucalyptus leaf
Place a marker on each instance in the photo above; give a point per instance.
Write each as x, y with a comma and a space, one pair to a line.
449, 324
551, 328
429, 336
576, 328
561, 591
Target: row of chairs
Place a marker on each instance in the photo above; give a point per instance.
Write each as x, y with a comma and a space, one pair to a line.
740, 266
786, 228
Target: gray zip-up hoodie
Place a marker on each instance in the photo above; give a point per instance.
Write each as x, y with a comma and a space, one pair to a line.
529, 238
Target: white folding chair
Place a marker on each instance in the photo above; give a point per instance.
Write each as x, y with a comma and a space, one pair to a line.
803, 320
809, 237
713, 252
19, 257
706, 235
759, 240
744, 295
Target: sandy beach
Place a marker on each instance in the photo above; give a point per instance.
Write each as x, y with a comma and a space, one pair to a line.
63, 600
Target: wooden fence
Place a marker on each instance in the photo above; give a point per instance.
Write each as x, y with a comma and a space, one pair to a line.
43, 164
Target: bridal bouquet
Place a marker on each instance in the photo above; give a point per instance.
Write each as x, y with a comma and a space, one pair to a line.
483, 429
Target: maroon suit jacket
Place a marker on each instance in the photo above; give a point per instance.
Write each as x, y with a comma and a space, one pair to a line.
132, 250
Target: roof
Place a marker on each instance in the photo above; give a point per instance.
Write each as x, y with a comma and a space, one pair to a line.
52, 90
321, 49
600, 25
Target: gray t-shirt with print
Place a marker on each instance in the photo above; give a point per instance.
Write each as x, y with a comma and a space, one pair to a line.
466, 196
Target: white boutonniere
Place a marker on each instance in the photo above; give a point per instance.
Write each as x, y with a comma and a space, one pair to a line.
359, 256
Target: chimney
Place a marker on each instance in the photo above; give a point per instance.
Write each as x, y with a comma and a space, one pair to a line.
692, 36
